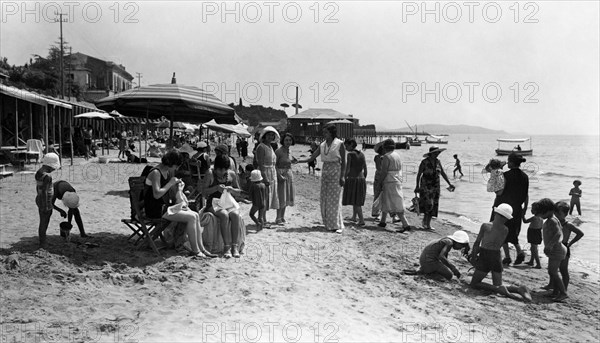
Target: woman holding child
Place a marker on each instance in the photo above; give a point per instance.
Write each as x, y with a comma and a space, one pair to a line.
161, 184
266, 160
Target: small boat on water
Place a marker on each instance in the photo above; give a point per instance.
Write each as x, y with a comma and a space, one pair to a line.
431, 139
503, 144
405, 145
414, 141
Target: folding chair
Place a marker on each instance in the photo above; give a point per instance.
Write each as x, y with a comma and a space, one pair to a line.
141, 226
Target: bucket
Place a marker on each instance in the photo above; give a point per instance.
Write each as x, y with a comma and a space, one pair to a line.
103, 159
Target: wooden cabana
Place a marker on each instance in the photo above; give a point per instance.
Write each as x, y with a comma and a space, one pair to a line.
307, 125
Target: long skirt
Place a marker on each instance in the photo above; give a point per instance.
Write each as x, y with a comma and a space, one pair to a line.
331, 206
392, 199
285, 189
270, 174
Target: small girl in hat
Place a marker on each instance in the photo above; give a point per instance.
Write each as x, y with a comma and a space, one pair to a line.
45, 193
496, 181
258, 195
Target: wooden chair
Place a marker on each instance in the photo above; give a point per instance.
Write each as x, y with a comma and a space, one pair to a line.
143, 227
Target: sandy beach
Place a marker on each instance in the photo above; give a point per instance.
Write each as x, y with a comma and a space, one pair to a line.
295, 283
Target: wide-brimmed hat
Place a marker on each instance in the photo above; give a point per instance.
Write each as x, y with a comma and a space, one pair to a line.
51, 160
255, 175
201, 145
516, 158
71, 199
460, 237
186, 148
504, 210
269, 129
222, 148
433, 149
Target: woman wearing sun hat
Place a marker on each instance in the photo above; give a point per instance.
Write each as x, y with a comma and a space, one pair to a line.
266, 160
428, 185
65, 192
434, 258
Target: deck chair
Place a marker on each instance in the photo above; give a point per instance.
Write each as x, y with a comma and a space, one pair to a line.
143, 227
35, 148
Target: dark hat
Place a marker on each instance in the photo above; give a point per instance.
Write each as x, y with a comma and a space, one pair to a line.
516, 158
389, 144
378, 146
433, 149
222, 148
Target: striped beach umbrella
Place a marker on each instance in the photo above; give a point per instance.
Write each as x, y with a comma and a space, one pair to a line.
174, 101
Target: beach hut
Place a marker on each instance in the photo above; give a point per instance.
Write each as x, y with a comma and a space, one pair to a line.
345, 128
307, 125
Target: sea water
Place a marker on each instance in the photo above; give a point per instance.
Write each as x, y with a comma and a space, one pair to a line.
556, 162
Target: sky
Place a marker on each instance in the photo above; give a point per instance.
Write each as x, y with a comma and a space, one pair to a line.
530, 68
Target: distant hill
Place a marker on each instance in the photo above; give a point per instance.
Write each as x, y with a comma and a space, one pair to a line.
449, 129
255, 114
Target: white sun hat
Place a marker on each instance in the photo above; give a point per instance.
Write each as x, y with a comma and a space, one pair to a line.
460, 237
269, 129
71, 199
51, 160
255, 175
504, 210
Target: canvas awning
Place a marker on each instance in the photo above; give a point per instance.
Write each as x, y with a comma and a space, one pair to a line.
23, 95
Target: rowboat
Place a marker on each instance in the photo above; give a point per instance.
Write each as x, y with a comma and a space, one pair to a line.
504, 142
431, 139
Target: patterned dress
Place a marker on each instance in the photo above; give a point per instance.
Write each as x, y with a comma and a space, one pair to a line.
285, 189
429, 194
331, 206
266, 159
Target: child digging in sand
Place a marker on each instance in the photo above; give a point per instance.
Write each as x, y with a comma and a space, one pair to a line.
575, 194
553, 248
561, 208
45, 193
486, 256
534, 235
258, 194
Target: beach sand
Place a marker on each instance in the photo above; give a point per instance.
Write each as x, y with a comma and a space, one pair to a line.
294, 283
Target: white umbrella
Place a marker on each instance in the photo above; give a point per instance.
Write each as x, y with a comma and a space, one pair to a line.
96, 115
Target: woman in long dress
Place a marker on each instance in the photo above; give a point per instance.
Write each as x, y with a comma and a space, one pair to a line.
428, 185
266, 160
391, 197
355, 186
285, 177
332, 154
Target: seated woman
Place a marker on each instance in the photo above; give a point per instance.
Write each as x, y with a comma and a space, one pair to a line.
434, 258
218, 179
160, 184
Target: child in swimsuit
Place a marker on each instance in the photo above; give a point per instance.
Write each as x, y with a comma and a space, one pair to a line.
575, 194
534, 235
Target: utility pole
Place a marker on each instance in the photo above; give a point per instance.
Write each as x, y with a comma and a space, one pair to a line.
62, 76
69, 72
139, 76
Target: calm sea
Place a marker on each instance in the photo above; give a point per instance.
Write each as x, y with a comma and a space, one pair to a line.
556, 162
